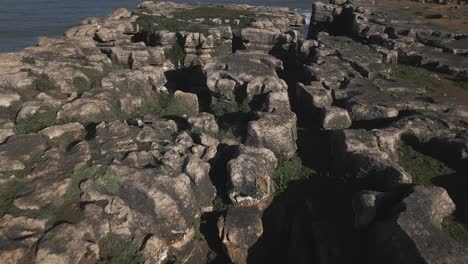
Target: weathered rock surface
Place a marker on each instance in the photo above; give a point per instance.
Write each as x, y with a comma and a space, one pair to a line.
275, 131
416, 233
136, 136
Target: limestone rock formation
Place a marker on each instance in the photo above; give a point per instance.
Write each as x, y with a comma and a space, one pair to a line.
193, 133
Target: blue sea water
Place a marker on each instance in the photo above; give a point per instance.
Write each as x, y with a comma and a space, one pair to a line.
22, 21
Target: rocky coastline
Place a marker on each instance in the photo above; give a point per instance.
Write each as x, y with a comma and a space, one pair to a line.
206, 133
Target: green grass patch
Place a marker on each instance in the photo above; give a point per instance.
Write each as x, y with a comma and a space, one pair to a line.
161, 105
38, 121
426, 79
150, 23
245, 17
289, 171
418, 76
457, 230
79, 176
105, 181
177, 23
9, 191
118, 249
421, 167
28, 60
211, 12
94, 76
43, 83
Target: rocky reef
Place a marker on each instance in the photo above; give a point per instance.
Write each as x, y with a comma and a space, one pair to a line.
206, 133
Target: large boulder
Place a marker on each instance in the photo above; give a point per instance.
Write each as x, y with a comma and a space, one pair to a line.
239, 230
250, 177
415, 234
274, 131
86, 110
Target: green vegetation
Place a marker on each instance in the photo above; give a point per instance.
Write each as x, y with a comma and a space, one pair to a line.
94, 76
232, 120
118, 249
176, 55
162, 105
117, 66
343, 39
211, 12
63, 208
426, 79
9, 192
28, 60
151, 23
426, 170
107, 182
219, 205
40, 120
80, 175
81, 84
457, 230
218, 11
243, 107
422, 168
43, 83
289, 171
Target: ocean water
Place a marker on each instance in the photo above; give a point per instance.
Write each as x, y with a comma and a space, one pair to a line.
22, 21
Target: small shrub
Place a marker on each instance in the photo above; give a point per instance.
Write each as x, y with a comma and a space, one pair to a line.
162, 105
93, 75
81, 84
40, 120
288, 171
43, 83
80, 175
151, 105
219, 205
422, 168
107, 182
175, 108
457, 230
176, 55
114, 248
28, 60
